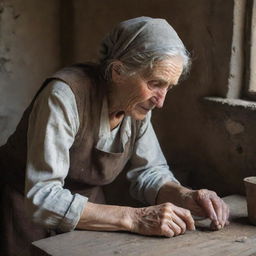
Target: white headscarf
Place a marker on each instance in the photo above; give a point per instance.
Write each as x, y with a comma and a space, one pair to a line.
142, 34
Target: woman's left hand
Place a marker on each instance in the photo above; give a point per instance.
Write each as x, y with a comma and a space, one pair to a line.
206, 203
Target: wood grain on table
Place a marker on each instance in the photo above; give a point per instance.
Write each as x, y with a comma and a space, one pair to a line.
237, 239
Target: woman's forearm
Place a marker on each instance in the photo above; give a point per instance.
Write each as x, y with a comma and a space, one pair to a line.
105, 217
113, 218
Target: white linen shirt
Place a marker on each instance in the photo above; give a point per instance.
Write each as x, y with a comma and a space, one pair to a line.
53, 125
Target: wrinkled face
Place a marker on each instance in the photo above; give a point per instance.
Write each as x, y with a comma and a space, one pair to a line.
140, 93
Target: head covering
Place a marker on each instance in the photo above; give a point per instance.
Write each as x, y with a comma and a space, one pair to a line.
142, 34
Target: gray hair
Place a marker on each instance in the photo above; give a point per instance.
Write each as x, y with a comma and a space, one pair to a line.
140, 43
146, 61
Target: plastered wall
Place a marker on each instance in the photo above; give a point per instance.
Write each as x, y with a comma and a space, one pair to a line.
29, 50
206, 145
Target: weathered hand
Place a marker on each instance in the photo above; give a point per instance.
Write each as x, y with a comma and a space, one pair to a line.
206, 203
162, 220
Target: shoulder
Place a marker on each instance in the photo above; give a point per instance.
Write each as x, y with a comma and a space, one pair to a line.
57, 95
57, 88
57, 100
84, 80
79, 74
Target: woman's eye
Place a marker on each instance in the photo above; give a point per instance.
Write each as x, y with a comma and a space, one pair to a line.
158, 85
153, 84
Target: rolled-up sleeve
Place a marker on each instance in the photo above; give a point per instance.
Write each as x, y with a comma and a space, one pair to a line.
53, 125
148, 167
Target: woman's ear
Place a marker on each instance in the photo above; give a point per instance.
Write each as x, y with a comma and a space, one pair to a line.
116, 71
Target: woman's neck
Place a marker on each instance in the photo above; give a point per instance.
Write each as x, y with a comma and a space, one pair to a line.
116, 114
115, 119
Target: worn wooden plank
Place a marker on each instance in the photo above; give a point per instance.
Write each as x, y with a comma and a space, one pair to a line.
228, 241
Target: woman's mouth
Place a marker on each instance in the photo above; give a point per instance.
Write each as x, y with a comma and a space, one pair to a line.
144, 109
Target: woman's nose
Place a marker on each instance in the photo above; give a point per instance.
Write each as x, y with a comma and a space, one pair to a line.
159, 98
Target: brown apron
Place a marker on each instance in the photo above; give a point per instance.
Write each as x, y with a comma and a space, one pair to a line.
90, 167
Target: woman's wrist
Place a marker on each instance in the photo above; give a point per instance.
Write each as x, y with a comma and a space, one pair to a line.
105, 217
172, 192
127, 221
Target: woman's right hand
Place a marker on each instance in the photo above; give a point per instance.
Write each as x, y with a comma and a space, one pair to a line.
165, 219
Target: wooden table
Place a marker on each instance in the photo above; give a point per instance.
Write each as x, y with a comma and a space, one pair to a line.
238, 239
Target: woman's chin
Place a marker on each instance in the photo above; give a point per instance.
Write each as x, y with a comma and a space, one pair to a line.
138, 115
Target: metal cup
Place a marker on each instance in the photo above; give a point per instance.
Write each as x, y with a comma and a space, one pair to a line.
250, 187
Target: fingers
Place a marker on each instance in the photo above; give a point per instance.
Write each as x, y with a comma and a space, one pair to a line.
225, 213
186, 217
176, 219
177, 230
179, 224
218, 206
222, 211
167, 230
170, 229
203, 199
215, 208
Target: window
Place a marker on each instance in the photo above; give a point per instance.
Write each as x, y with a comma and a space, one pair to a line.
250, 50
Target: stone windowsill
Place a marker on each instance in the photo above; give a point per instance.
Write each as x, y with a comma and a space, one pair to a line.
234, 103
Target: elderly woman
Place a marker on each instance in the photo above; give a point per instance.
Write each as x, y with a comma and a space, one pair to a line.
88, 122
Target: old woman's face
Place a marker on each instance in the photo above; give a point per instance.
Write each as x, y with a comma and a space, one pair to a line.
138, 94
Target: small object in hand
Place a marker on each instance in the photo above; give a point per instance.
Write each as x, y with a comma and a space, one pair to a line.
215, 227
241, 239
219, 227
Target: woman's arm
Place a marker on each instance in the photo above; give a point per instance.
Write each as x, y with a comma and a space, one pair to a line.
161, 220
53, 125
148, 169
